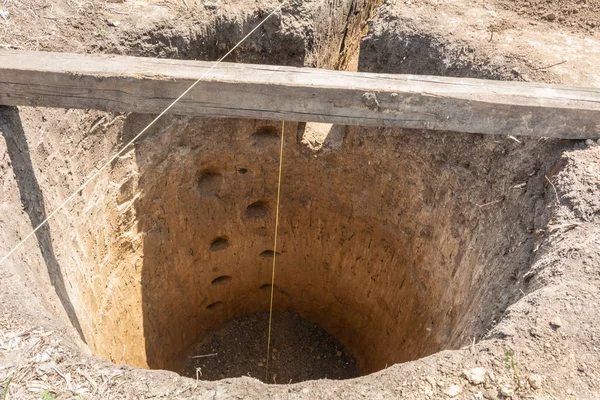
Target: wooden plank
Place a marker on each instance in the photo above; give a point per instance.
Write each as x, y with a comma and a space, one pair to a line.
145, 85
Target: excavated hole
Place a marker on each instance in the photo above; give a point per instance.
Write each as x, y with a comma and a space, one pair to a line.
221, 280
269, 254
393, 244
209, 183
257, 210
220, 243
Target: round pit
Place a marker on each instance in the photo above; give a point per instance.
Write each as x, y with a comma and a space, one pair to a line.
394, 245
397, 243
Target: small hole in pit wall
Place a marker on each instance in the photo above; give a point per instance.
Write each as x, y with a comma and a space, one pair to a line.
220, 243
266, 134
267, 288
215, 306
258, 209
221, 280
269, 254
209, 183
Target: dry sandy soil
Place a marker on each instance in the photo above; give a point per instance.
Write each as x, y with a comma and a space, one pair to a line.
427, 264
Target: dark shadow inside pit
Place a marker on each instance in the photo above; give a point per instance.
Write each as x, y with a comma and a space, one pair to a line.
260, 48
403, 52
32, 199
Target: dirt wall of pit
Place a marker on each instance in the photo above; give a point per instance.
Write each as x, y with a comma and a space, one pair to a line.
393, 242
398, 243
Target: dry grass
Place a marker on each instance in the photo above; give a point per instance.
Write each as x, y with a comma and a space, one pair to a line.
34, 364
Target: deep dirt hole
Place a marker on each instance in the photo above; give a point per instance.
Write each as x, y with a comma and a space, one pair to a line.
390, 244
395, 244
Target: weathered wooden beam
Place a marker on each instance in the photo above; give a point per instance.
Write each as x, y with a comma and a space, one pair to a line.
147, 85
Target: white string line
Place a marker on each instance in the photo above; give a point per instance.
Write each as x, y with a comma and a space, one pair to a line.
95, 174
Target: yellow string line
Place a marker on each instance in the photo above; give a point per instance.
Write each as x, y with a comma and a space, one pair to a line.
274, 253
103, 167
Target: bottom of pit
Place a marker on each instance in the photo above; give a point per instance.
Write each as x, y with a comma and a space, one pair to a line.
300, 351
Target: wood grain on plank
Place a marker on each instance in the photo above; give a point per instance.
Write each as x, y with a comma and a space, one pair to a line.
148, 85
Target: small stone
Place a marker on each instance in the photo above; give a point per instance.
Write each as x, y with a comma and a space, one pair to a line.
453, 390
507, 391
114, 23
490, 394
535, 332
598, 141
478, 395
535, 381
275, 350
551, 17
475, 375
556, 322
589, 143
261, 364
338, 353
